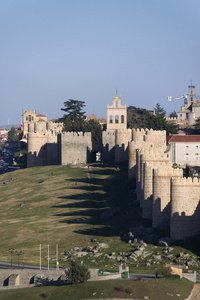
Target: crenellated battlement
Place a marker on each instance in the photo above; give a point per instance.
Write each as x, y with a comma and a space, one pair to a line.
171, 119
166, 197
186, 181
167, 171
76, 134
153, 154
46, 134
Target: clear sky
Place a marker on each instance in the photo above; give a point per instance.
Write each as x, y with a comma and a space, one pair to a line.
55, 50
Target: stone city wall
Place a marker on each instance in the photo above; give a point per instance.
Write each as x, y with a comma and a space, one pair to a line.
108, 150
165, 196
122, 138
185, 212
74, 147
162, 193
42, 149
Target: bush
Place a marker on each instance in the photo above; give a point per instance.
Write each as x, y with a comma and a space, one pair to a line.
129, 290
120, 288
77, 273
167, 272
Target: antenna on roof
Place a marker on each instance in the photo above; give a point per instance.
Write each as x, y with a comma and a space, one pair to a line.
116, 92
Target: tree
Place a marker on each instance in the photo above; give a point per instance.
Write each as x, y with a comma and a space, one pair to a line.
173, 114
77, 273
197, 125
159, 110
12, 135
73, 108
73, 120
195, 129
95, 128
141, 118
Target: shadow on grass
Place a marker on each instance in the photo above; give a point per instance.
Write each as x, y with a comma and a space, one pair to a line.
105, 203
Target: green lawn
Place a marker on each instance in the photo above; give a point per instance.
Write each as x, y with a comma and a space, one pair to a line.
69, 206
159, 289
63, 205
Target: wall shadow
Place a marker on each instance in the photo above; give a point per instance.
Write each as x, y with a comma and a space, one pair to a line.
103, 203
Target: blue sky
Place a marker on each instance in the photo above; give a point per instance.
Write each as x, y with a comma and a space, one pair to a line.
55, 50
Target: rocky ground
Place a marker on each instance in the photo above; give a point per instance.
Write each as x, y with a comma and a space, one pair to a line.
142, 253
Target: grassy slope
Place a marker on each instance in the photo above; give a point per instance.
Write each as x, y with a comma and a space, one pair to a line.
171, 288
68, 208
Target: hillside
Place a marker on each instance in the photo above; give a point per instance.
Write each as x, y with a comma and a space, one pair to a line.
60, 205
79, 209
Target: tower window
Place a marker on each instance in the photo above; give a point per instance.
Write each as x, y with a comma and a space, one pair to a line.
111, 119
116, 119
122, 119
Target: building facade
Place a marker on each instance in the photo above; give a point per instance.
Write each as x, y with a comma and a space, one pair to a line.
185, 149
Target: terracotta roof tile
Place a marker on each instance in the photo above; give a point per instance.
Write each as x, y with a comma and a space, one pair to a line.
183, 139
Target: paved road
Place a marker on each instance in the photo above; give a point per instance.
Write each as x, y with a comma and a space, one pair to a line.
20, 266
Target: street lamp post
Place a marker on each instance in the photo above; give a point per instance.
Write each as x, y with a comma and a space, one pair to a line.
11, 252
18, 253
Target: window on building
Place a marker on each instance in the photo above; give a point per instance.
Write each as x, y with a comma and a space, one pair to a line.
29, 118
187, 158
187, 147
196, 158
196, 146
122, 119
196, 153
116, 119
180, 115
26, 118
111, 119
186, 115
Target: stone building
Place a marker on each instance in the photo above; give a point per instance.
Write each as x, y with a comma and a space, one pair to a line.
115, 139
116, 115
191, 108
30, 118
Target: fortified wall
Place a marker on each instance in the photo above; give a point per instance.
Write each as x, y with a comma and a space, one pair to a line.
47, 145
165, 196
74, 147
185, 211
42, 149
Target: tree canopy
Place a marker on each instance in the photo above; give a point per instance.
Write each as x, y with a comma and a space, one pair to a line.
173, 114
195, 129
12, 135
159, 110
142, 118
73, 109
74, 120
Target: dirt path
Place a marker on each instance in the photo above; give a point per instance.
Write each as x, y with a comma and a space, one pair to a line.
195, 295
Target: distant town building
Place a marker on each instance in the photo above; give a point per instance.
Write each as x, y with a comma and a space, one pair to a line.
30, 117
116, 115
185, 149
101, 121
191, 109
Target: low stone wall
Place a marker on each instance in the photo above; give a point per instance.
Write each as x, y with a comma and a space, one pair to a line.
190, 276
105, 277
15, 277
